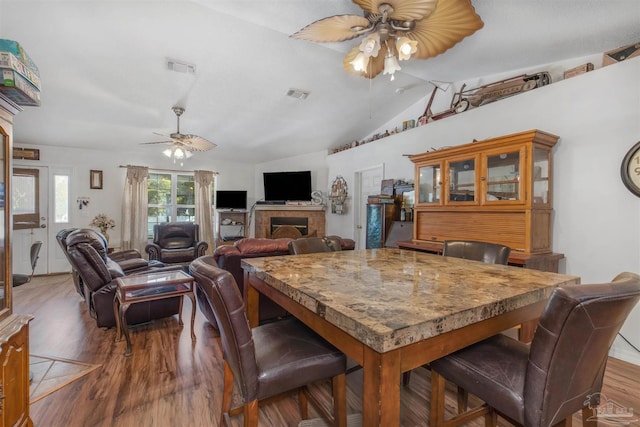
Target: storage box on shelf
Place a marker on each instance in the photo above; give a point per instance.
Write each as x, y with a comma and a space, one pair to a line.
497, 190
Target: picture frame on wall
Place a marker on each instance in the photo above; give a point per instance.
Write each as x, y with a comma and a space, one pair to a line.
95, 180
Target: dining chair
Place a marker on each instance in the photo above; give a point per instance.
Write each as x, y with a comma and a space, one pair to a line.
310, 245
271, 359
560, 373
34, 253
490, 253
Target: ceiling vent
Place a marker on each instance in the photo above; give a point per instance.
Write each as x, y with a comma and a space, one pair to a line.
298, 93
180, 66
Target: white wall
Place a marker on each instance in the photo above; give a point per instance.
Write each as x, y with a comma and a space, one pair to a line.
232, 176
596, 219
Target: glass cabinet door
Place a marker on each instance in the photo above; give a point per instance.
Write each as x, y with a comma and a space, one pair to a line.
5, 286
503, 177
430, 184
462, 181
541, 176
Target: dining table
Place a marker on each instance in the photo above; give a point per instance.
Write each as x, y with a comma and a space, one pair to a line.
394, 310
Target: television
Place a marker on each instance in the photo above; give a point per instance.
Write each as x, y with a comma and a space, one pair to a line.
287, 186
226, 199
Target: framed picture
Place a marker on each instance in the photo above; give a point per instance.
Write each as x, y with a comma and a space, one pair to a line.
95, 178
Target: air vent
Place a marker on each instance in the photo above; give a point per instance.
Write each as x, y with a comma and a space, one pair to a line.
180, 66
297, 93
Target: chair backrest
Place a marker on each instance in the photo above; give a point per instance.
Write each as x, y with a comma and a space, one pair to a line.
235, 334
570, 347
308, 245
35, 252
490, 253
88, 256
176, 235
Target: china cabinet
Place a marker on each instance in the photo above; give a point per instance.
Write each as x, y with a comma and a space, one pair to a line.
14, 328
497, 190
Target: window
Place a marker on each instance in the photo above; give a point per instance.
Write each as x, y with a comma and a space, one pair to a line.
61, 199
171, 198
25, 198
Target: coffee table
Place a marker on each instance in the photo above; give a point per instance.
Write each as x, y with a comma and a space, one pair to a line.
151, 287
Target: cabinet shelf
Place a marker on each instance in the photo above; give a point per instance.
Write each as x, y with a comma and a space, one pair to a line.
231, 226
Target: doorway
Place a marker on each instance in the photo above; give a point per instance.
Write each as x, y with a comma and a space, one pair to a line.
41, 207
368, 182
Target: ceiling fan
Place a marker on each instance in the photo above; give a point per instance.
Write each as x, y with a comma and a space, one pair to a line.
183, 145
396, 30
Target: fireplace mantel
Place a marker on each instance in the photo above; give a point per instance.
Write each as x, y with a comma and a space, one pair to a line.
290, 207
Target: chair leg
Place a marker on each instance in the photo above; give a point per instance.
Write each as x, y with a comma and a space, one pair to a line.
227, 392
406, 377
463, 399
339, 385
251, 413
588, 417
437, 400
491, 418
302, 401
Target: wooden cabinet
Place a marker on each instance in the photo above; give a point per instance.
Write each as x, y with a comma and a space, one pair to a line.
14, 329
497, 190
232, 226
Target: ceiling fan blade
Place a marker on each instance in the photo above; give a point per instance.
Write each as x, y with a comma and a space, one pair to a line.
403, 10
452, 21
196, 143
333, 29
158, 142
375, 67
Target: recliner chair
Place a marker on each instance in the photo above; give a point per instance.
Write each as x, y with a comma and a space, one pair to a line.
87, 252
176, 243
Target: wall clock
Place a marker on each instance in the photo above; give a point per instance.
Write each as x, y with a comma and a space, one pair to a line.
630, 170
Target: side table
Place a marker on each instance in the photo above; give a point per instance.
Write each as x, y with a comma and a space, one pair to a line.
150, 287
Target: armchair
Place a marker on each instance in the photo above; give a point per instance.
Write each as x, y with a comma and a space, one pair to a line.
87, 252
176, 243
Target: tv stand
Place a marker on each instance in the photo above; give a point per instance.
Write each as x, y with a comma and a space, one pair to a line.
231, 225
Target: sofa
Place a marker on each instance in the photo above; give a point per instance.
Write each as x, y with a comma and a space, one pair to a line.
229, 258
97, 272
176, 243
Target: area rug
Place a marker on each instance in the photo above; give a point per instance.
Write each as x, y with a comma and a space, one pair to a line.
50, 374
353, 420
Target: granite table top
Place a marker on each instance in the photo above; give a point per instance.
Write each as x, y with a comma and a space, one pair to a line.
388, 298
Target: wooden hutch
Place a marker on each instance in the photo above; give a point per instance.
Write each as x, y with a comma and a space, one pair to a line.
498, 190
14, 328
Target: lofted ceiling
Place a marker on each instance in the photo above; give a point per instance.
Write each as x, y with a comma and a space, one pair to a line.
106, 84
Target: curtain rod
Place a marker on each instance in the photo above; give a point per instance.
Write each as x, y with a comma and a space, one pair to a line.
166, 170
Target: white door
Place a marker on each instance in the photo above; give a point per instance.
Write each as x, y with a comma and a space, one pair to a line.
30, 217
41, 208
368, 182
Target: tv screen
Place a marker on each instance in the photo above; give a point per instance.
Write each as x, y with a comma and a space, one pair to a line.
231, 199
287, 186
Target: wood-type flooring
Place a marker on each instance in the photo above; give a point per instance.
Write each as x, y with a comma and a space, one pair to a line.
171, 382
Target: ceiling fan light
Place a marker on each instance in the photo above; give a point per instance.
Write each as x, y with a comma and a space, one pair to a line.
406, 47
361, 62
178, 153
188, 154
168, 152
370, 45
391, 65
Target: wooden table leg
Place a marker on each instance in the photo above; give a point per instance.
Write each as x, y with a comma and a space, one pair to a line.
193, 315
180, 311
381, 388
251, 303
125, 328
116, 315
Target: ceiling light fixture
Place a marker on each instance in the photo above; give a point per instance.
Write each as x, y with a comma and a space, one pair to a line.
177, 153
396, 30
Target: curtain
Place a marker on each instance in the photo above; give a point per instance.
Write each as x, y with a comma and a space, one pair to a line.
204, 215
134, 209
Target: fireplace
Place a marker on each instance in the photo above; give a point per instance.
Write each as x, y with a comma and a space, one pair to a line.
313, 217
301, 223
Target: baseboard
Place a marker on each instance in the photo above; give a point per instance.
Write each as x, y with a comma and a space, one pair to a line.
623, 351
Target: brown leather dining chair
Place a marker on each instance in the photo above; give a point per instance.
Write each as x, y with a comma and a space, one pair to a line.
544, 384
271, 359
310, 245
490, 253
